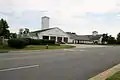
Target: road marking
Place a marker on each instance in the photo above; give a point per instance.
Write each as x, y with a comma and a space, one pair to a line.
82, 50
72, 50
24, 67
68, 50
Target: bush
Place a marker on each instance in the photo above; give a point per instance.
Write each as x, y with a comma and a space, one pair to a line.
22, 42
17, 43
112, 41
28, 41
41, 42
118, 41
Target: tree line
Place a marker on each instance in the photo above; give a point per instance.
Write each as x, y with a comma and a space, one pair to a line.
5, 32
109, 39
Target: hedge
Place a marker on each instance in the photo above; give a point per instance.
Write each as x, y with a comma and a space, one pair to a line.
17, 43
22, 42
39, 41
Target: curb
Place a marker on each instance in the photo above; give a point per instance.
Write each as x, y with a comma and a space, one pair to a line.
104, 75
4, 51
24, 51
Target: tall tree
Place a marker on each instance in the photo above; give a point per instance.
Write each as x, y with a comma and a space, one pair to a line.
105, 38
118, 38
4, 31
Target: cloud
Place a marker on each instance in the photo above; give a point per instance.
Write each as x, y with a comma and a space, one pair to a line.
81, 16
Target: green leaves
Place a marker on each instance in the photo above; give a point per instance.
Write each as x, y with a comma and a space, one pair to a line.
4, 28
118, 38
105, 38
111, 40
13, 35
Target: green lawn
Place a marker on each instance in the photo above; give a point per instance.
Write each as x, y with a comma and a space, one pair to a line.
37, 47
116, 76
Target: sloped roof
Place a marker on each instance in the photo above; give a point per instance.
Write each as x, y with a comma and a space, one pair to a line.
89, 37
83, 37
97, 37
38, 31
78, 37
72, 35
41, 30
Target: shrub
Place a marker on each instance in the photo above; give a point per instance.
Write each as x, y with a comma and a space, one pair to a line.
118, 41
41, 42
17, 43
27, 40
22, 42
49, 42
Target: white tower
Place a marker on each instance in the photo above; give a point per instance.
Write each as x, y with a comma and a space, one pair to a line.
45, 22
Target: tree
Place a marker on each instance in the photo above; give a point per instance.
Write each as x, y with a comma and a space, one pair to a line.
105, 38
4, 29
111, 40
13, 35
26, 32
118, 38
21, 33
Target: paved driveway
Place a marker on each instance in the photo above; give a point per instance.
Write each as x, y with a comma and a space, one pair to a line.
66, 64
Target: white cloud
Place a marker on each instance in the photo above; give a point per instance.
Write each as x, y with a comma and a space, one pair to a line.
99, 5
81, 16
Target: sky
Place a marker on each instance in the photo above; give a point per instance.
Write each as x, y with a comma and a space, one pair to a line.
80, 16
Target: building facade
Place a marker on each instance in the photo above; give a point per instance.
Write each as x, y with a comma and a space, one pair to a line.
85, 39
55, 34
59, 35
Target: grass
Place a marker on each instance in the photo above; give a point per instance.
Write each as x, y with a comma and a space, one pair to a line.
116, 76
35, 47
